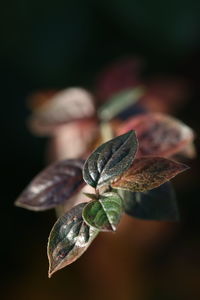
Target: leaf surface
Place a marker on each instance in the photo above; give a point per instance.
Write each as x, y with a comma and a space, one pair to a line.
69, 239
63, 107
53, 186
147, 173
158, 204
104, 214
158, 134
120, 102
110, 160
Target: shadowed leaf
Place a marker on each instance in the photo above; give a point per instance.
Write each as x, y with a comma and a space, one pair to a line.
157, 204
69, 238
158, 134
53, 186
147, 173
104, 214
110, 160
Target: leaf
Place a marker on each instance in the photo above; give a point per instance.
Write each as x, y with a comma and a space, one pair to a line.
110, 160
68, 239
72, 140
158, 134
119, 102
65, 106
53, 186
104, 214
118, 76
157, 204
147, 173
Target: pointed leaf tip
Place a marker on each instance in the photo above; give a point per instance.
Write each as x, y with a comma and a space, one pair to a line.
68, 239
110, 159
147, 173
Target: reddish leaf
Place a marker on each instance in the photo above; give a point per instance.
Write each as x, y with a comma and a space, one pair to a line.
147, 173
65, 106
73, 140
53, 186
117, 77
158, 134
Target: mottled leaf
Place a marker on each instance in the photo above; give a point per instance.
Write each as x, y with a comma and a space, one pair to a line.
69, 238
110, 160
105, 213
158, 134
147, 173
53, 186
119, 102
65, 106
157, 204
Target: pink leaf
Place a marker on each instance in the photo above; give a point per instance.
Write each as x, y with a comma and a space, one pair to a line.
158, 134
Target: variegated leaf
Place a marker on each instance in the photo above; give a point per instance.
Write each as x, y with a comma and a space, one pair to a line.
110, 160
147, 173
158, 134
69, 239
105, 213
53, 186
65, 106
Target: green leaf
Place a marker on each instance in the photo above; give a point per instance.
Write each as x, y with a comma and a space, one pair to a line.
53, 186
158, 204
104, 214
110, 160
119, 102
147, 173
69, 238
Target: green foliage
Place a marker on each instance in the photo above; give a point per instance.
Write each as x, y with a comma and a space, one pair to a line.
105, 213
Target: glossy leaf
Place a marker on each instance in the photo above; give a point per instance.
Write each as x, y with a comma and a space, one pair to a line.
53, 186
158, 134
110, 160
65, 106
119, 102
147, 173
157, 204
104, 214
69, 238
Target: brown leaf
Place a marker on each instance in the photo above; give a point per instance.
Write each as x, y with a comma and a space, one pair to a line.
158, 134
147, 173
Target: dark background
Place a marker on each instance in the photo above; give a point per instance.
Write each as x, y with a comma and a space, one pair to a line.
47, 44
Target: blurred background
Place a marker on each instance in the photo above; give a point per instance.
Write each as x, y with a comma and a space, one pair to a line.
53, 45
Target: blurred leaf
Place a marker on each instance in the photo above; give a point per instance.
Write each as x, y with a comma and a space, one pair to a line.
72, 140
53, 186
119, 102
104, 214
65, 106
120, 75
110, 160
158, 134
157, 204
147, 173
69, 238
